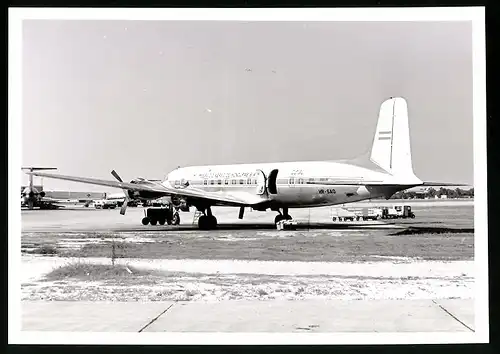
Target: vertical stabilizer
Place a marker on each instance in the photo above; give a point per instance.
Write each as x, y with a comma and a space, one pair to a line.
391, 145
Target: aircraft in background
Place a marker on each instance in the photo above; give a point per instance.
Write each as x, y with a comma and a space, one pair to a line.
283, 185
31, 197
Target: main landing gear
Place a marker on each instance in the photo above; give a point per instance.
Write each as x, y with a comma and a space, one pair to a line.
207, 221
282, 215
161, 216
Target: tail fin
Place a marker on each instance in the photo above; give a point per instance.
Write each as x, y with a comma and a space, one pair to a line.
391, 144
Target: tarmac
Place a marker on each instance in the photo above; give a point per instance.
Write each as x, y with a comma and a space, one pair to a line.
276, 316
447, 315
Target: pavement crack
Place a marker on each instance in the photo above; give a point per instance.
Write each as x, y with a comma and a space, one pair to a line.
157, 317
452, 315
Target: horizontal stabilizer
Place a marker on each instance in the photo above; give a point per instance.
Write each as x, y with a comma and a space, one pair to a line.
38, 168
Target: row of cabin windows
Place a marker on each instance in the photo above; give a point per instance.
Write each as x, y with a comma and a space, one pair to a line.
254, 181
302, 180
226, 181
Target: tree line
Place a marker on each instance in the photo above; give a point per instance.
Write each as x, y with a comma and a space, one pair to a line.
432, 193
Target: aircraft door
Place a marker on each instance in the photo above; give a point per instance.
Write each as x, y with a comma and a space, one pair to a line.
261, 182
271, 182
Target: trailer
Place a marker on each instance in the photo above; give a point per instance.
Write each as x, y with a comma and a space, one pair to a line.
371, 213
343, 214
161, 215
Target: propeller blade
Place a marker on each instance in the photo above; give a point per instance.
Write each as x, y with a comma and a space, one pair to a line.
115, 175
124, 207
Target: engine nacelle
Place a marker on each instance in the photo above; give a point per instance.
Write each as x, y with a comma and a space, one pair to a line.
143, 195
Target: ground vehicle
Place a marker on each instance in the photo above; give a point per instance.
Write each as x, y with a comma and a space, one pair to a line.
161, 215
397, 212
343, 214
370, 214
105, 204
407, 212
131, 203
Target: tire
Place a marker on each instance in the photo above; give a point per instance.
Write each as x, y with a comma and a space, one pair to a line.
212, 222
334, 219
203, 222
278, 218
176, 219
161, 221
145, 221
153, 222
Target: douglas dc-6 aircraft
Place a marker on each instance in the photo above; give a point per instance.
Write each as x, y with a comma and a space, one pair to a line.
283, 185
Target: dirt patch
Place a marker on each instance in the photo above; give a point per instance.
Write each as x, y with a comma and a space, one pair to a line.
95, 272
444, 231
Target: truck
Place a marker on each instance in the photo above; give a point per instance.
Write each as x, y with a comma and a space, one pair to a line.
397, 212
105, 204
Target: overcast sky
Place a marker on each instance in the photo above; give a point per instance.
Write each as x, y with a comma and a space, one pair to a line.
144, 97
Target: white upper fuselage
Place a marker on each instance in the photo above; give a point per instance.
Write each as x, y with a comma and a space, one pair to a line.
298, 184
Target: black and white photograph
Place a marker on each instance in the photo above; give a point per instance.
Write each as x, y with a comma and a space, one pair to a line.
290, 176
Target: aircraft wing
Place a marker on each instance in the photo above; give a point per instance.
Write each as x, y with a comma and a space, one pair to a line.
161, 190
444, 184
156, 187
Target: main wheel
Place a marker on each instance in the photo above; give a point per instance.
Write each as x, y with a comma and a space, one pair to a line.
212, 222
176, 219
153, 221
203, 222
161, 221
288, 217
145, 221
278, 218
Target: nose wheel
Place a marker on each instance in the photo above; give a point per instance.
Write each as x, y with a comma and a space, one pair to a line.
207, 221
282, 216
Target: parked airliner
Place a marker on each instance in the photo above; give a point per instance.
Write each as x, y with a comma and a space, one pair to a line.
283, 185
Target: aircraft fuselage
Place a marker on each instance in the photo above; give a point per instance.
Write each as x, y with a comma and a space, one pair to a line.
290, 184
